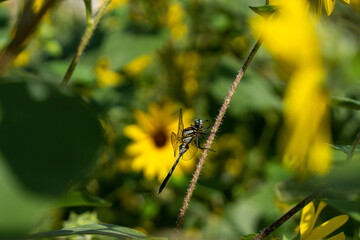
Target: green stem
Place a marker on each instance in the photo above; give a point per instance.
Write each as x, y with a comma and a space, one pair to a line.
355, 143
91, 26
26, 25
213, 132
287, 215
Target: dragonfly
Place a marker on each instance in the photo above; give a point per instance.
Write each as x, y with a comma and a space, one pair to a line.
186, 143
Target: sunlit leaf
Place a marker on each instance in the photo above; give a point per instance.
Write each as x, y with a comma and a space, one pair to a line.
253, 96
265, 10
345, 148
121, 47
249, 236
73, 199
345, 103
99, 229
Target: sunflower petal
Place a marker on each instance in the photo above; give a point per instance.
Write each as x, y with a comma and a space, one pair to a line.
307, 220
340, 236
321, 206
327, 227
134, 132
318, 7
329, 6
345, 1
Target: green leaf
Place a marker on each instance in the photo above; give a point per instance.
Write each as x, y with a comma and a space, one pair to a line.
352, 208
343, 180
83, 74
345, 103
252, 96
249, 236
265, 10
77, 199
99, 229
344, 148
255, 207
49, 137
121, 47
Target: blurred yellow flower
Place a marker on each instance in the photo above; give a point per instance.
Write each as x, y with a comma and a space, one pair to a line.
290, 36
152, 150
22, 59
175, 15
117, 4
110, 136
329, 5
37, 4
308, 220
291, 39
188, 63
105, 77
306, 127
137, 65
230, 151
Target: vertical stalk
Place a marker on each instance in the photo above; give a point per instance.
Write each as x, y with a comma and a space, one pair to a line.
91, 26
213, 132
355, 143
27, 24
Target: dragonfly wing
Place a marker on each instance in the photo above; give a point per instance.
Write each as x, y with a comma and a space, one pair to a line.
175, 143
191, 152
181, 125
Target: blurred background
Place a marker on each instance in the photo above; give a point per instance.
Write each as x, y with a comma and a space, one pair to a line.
145, 61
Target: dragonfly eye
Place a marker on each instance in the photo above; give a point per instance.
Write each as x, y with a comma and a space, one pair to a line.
198, 123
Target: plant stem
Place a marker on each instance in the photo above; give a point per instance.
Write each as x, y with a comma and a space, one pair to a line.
355, 143
91, 26
26, 25
212, 135
287, 215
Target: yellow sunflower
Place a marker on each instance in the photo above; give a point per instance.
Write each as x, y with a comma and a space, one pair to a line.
329, 5
106, 77
308, 220
291, 38
189, 62
137, 65
151, 148
175, 21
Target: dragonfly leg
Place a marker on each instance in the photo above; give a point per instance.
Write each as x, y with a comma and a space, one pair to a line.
204, 129
202, 148
202, 135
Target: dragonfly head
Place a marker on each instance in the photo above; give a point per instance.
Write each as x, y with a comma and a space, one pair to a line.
198, 123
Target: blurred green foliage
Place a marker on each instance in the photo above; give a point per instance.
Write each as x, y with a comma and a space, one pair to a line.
52, 142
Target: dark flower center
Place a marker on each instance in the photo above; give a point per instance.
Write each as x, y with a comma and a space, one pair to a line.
160, 138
